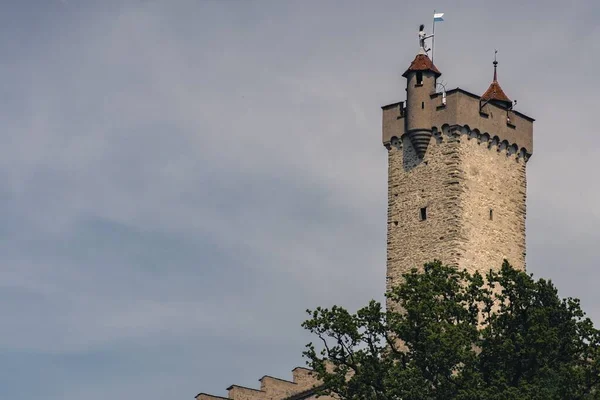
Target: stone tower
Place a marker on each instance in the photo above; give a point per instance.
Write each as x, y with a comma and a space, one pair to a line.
456, 175
456, 192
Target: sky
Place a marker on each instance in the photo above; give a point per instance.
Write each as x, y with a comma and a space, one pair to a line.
181, 179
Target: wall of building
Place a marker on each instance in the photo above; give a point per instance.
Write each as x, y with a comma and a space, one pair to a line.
301, 387
493, 179
463, 175
414, 184
275, 388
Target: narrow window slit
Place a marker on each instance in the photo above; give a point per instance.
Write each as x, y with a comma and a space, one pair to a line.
423, 213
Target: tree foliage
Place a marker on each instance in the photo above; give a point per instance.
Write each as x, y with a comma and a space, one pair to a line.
456, 335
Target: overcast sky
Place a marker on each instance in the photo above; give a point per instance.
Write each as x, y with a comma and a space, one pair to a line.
181, 179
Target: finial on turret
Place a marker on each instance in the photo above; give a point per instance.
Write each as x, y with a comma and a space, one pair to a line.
495, 92
495, 66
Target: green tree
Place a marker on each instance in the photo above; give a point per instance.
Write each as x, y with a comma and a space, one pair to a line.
456, 335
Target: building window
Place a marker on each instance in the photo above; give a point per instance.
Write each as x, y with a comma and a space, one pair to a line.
491, 214
423, 213
419, 78
422, 105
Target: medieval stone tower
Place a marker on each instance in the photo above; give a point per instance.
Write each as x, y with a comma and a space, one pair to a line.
456, 175
456, 191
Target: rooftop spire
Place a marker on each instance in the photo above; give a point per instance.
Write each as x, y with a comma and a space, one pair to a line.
495, 92
495, 66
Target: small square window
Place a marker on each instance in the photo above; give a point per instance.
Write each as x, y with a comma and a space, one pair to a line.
423, 213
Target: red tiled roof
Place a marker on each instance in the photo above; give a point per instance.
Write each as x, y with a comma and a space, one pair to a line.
422, 63
496, 93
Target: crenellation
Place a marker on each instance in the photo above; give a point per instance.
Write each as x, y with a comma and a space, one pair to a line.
304, 378
272, 388
236, 392
276, 388
462, 110
204, 396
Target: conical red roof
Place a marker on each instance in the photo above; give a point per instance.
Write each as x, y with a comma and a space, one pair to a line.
495, 92
422, 63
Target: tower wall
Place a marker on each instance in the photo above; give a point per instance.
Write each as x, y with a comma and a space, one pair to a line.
413, 184
475, 162
493, 196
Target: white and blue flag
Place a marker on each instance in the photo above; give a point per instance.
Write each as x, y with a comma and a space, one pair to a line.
438, 17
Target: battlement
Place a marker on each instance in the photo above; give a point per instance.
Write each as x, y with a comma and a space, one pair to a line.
448, 132
465, 109
303, 385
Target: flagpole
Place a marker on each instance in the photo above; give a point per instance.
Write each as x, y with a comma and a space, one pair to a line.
433, 37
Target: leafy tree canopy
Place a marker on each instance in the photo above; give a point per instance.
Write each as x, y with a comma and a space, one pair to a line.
456, 335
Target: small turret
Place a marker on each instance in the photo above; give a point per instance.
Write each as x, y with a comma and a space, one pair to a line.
421, 79
494, 93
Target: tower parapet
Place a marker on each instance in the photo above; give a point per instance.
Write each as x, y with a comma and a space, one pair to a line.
462, 108
491, 114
